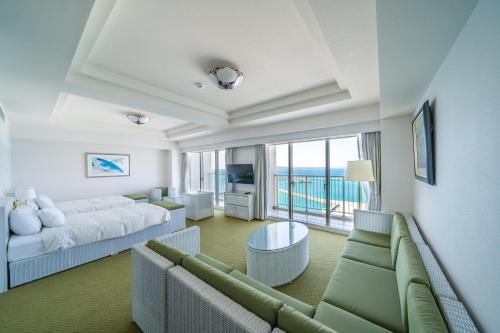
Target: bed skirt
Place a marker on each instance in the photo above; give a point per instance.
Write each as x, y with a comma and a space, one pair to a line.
31, 269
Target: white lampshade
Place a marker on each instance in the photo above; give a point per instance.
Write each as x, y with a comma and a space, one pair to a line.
360, 171
25, 193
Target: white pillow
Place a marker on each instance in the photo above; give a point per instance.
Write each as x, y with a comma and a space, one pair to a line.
32, 204
51, 217
44, 202
24, 221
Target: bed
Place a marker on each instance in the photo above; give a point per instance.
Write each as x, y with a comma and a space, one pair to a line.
94, 228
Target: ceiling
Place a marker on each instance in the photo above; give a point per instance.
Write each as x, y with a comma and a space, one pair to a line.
75, 68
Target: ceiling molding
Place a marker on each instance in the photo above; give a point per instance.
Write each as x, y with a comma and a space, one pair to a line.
299, 105
86, 86
97, 18
125, 81
185, 131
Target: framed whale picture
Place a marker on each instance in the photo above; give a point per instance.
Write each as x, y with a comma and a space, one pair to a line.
107, 165
423, 145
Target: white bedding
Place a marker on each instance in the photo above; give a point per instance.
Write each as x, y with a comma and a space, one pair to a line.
86, 228
93, 204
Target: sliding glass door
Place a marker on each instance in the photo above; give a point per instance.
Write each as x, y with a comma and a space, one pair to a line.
306, 182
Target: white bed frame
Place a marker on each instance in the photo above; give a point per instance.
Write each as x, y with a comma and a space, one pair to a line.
19, 272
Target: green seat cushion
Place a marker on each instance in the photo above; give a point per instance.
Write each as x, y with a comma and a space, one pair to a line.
304, 308
367, 291
369, 254
136, 196
370, 238
262, 305
293, 321
343, 321
399, 230
166, 251
214, 263
409, 269
423, 312
168, 205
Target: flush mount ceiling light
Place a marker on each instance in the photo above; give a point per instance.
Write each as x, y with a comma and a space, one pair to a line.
226, 77
137, 118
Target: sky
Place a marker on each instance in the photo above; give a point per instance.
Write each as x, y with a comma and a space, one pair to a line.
312, 153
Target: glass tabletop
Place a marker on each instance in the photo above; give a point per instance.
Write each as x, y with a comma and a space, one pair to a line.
277, 236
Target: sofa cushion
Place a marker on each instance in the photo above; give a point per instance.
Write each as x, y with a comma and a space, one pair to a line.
343, 321
168, 205
174, 255
264, 306
370, 238
293, 321
367, 291
409, 268
399, 229
423, 312
369, 254
214, 263
306, 309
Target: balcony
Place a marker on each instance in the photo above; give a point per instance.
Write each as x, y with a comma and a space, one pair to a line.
309, 200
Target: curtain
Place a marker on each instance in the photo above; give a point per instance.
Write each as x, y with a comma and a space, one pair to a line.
185, 181
369, 149
229, 160
260, 181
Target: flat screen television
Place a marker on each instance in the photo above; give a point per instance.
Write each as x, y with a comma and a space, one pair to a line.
240, 173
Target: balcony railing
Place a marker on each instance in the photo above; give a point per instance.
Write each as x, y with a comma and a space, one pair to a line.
309, 195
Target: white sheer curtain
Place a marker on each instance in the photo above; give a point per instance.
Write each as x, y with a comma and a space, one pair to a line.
185, 181
369, 149
229, 160
260, 181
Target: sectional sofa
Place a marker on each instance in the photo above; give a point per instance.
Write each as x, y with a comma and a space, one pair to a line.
380, 284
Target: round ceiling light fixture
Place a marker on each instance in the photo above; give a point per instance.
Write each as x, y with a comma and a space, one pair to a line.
137, 118
226, 77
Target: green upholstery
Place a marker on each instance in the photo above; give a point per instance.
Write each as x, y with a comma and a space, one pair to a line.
370, 238
423, 312
304, 308
168, 205
409, 268
367, 291
214, 263
399, 229
262, 305
369, 254
293, 321
137, 196
166, 251
343, 321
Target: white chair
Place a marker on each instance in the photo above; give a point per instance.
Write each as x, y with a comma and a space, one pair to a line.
199, 205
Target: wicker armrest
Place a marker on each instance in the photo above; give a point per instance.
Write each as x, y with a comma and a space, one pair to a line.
149, 289
187, 240
373, 221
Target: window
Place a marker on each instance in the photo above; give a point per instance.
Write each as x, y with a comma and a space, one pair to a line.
207, 172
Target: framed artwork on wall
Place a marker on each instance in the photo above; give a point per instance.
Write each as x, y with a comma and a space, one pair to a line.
423, 145
107, 165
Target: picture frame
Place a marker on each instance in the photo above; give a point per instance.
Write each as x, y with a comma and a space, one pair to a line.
107, 165
423, 145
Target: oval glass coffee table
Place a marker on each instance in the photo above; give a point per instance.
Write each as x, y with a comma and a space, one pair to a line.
277, 253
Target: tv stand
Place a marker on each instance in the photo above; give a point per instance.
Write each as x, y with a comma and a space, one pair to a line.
239, 205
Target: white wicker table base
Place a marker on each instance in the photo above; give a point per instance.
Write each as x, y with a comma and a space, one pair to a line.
278, 267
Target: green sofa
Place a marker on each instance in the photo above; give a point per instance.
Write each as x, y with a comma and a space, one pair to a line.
379, 285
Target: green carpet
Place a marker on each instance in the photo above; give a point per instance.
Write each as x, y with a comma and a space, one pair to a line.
96, 297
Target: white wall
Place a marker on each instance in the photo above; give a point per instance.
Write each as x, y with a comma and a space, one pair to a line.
459, 216
397, 164
57, 169
5, 155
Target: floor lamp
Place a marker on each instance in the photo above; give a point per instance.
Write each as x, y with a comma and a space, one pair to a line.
361, 171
